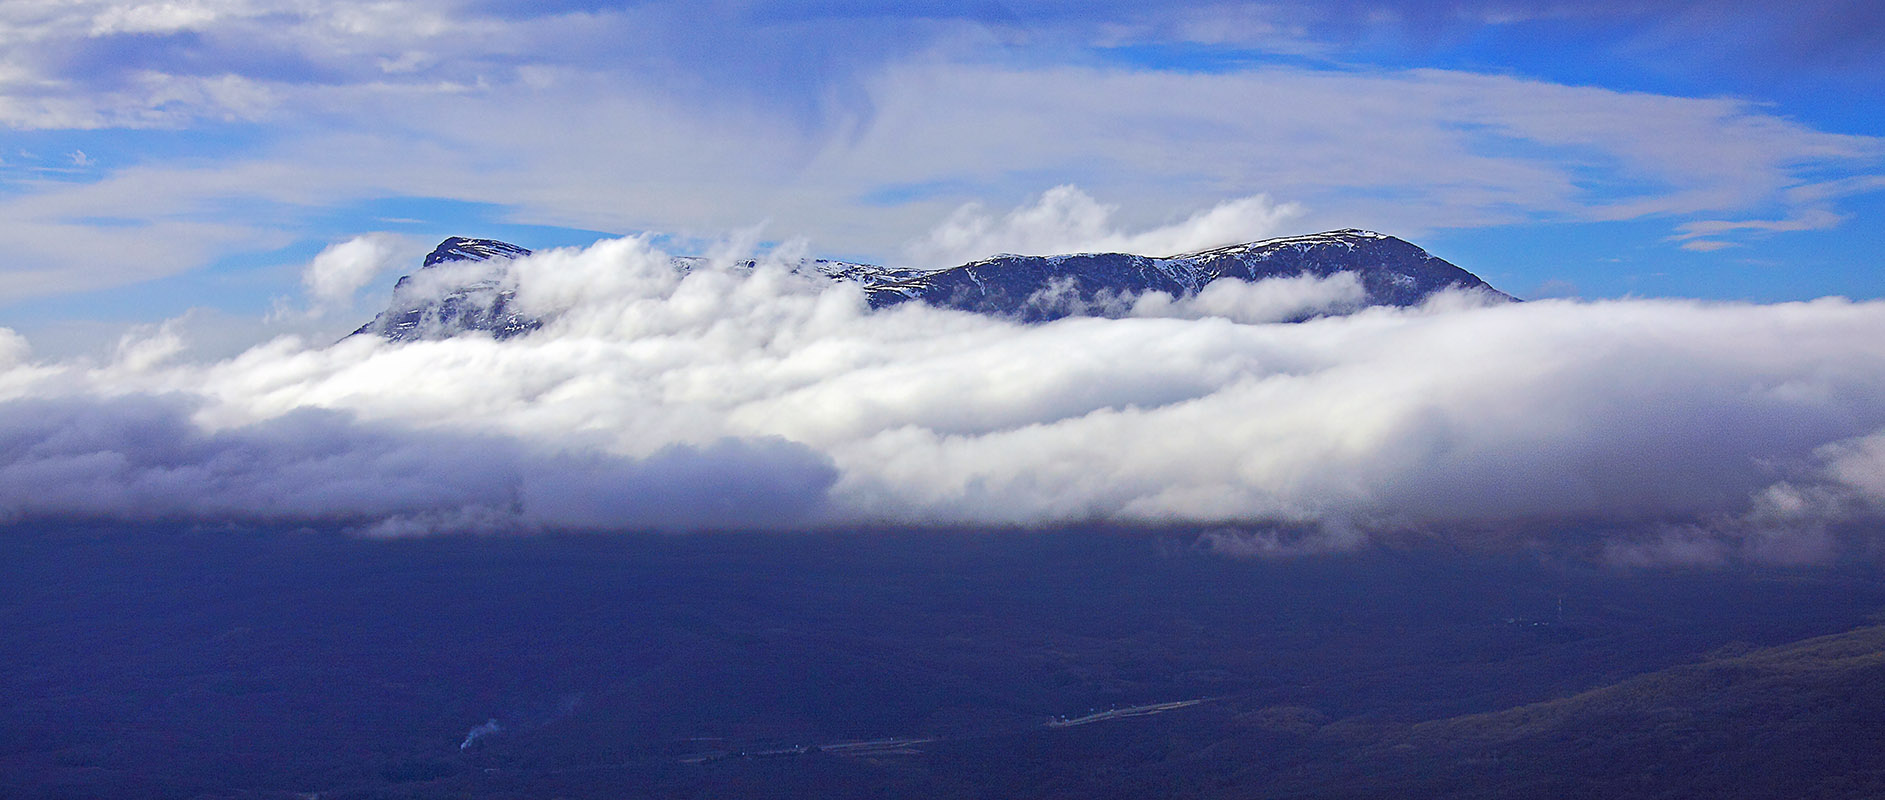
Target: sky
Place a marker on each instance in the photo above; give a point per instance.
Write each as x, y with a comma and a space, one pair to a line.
189, 157
199, 199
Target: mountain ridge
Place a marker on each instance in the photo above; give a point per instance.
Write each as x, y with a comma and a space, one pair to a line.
1026, 288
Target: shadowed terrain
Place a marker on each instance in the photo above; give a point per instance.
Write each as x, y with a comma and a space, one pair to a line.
243, 663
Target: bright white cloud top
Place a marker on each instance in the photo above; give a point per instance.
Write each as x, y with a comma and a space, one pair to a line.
734, 399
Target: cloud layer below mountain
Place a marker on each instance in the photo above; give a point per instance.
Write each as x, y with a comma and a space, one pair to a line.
731, 399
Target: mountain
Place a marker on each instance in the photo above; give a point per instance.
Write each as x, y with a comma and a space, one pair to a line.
1392, 272
459, 288
451, 299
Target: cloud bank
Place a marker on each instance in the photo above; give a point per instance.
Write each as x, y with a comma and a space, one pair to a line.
141, 458
733, 399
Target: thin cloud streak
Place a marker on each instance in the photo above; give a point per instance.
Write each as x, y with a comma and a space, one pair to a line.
1402, 151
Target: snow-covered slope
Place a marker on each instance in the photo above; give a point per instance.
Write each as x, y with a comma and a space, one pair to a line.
458, 288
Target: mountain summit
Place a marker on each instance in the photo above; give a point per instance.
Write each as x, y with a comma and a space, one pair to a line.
1392, 272
436, 303
459, 287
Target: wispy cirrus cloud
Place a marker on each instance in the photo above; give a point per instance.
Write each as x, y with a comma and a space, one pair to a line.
644, 117
1704, 235
1401, 151
807, 55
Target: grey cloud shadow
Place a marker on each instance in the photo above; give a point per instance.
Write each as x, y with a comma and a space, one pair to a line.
141, 458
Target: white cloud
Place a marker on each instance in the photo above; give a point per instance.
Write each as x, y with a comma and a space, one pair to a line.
59, 257
1274, 300
14, 349
1699, 235
1859, 465
149, 348
339, 271
1628, 413
136, 100
168, 17
1066, 220
597, 146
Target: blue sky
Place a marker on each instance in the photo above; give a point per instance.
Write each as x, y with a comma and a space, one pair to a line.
191, 156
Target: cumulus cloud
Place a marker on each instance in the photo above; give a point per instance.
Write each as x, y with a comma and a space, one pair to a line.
730, 398
1067, 220
340, 270
1799, 520
14, 349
